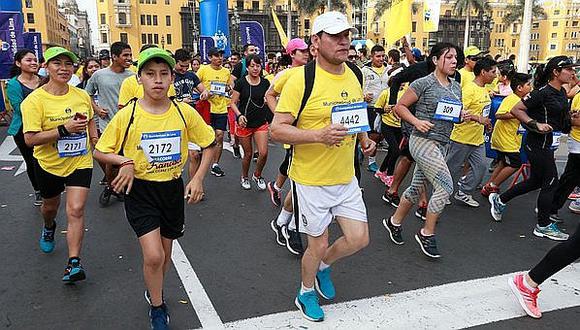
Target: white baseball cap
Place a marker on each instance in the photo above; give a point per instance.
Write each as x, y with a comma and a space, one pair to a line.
332, 22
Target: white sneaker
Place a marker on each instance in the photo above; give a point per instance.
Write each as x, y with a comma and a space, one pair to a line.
260, 182
246, 183
466, 198
574, 206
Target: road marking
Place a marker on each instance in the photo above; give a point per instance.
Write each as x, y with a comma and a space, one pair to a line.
199, 299
449, 306
6, 149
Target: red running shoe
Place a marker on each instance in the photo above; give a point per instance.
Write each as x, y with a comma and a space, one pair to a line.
527, 298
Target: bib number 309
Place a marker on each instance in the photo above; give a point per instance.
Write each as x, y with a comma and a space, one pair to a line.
448, 109
352, 116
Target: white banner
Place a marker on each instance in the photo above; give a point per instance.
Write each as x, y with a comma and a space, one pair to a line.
431, 11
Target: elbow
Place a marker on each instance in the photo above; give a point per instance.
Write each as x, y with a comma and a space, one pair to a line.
275, 132
29, 140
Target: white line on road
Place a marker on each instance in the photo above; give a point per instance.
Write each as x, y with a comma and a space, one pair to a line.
449, 306
199, 299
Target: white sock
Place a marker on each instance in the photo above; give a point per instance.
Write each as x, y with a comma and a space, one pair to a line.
526, 284
215, 164
372, 160
304, 289
394, 224
276, 187
284, 218
323, 266
425, 235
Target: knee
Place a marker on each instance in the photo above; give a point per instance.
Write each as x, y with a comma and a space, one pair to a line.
318, 247
219, 136
359, 240
75, 211
50, 205
154, 260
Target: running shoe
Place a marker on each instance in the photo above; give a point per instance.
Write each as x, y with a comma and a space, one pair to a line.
391, 198
488, 189
497, 207
467, 199
308, 305
237, 153
255, 156
550, 231
73, 271
37, 198
293, 241
47, 239
553, 217
421, 213
245, 182
394, 231
527, 298
373, 167
575, 194
217, 171
275, 194
574, 206
428, 245
492, 166
105, 196
324, 285
148, 297
159, 317
260, 182
280, 239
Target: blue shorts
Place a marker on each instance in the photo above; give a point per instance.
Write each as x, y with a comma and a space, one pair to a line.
219, 121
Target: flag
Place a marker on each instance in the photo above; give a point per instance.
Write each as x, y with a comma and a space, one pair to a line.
280, 29
205, 43
252, 32
214, 23
33, 41
399, 20
431, 11
11, 29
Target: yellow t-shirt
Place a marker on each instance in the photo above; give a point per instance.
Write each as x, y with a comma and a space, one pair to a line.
575, 132
42, 111
505, 137
316, 164
282, 78
158, 135
131, 88
388, 118
207, 75
466, 77
474, 99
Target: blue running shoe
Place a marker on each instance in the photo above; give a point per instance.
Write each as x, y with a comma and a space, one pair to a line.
74, 271
159, 317
309, 306
373, 167
497, 207
323, 284
47, 239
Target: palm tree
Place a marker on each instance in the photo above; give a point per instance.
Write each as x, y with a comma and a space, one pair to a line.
515, 12
465, 7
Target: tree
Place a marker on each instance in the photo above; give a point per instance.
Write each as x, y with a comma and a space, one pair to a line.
464, 7
515, 12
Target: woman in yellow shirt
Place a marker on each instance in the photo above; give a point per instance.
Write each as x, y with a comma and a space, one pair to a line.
58, 122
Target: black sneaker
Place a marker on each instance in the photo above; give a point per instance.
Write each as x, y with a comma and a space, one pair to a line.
391, 199
255, 156
237, 153
293, 241
428, 245
159, 317
275, 194
105, 196
394, 231
421, 213
280, 239
217, 171
37, 198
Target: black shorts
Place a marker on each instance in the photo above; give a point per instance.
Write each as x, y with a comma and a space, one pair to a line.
372, 114
286, 163
51, 185
151, 205
511, 159
219, 121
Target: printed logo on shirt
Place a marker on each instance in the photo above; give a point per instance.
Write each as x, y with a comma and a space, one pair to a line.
304, 221
68, 111
344, 94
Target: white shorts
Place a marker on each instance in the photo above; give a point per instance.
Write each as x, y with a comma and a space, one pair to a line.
316, 206
192, 146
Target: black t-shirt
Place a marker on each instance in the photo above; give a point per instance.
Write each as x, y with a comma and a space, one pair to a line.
184, 85
546, 105
238, 68
254, 108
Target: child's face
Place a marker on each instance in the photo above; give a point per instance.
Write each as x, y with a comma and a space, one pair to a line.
156, 78
525, 89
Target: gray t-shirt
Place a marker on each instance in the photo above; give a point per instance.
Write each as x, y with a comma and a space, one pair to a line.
107, 83
430, 91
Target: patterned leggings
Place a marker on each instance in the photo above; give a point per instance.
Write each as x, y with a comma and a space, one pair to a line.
430, 167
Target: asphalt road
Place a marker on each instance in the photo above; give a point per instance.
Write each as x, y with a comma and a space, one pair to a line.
233, 251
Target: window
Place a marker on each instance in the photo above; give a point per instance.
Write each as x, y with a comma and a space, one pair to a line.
555, 23
30, 18
552, 46
557, 12
554, 35
515, 28
122, 18
414, 26
142, 19
143, 37
535, 25
168, 20
169, 40
240, 5
376, 27
28, 3
156, 38
167, 2
448, 13
255, 5
155, 20
513, 42
573, 35
123, 37
307, 24
104, 38
149, 38
103, 19
575, 23
31, 30
148, 19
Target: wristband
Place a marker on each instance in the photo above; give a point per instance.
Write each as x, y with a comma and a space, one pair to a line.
62, 131
238, 116
127, 162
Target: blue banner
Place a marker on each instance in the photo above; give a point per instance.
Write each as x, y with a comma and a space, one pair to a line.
33, 41
11, 40
205, 43
252, 32
11, 5
214, 23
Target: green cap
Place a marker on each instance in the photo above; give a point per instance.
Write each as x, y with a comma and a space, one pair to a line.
53, 52
155, 52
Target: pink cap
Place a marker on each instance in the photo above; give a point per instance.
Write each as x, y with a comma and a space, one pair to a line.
294, 44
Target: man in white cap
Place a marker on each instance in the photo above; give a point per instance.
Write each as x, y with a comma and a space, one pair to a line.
323, 126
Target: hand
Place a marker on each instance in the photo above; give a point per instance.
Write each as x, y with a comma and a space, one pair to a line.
187, 100
204, 95
368, 97
389, 109
465, 117
102, 112
546, 128
423, 126
368, 147
194, 191
332, 134
124, 180
76, 125
242, 121
487, 123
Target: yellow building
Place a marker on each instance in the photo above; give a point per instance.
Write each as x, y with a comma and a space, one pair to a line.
43, 16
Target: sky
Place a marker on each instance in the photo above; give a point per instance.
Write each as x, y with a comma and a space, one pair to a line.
91, 7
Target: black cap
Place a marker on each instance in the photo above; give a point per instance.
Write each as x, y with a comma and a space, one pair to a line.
566, 62
104, 54
214, 51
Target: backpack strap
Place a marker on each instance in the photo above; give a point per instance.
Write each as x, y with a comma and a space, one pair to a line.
309, 75
357, 72
131, 119
172, 98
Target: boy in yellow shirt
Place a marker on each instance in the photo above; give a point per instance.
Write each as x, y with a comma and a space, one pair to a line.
506, 138
148, 142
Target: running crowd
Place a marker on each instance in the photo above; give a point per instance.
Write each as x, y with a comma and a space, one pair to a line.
330, 106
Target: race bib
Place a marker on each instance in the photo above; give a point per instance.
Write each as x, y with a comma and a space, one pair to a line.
486, 110
217, 88
556, 140
72, 145
448, 109
160, 147
352, 116
521, 129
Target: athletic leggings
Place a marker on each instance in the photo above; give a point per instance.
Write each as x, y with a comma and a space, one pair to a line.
543, 176
568, 181
557, 258
393, 137
27, 154
431, 168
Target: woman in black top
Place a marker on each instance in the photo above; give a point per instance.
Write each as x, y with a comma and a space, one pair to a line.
543, 115
250, 107
91, 66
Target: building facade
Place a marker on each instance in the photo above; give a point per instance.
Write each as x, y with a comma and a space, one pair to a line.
79, 27
43, 16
